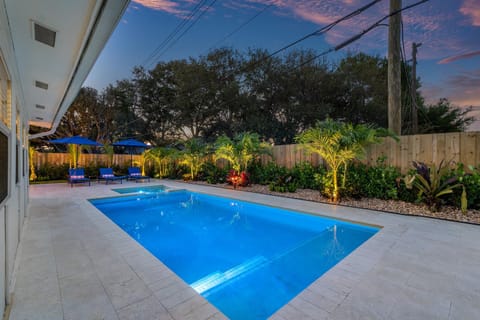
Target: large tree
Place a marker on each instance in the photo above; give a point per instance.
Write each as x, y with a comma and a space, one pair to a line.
444, 117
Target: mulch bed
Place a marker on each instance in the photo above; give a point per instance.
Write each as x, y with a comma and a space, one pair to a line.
394, 206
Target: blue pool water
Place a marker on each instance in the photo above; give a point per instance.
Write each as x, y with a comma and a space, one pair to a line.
246, 259
149, 189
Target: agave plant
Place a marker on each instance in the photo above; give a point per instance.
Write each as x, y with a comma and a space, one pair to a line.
432, 184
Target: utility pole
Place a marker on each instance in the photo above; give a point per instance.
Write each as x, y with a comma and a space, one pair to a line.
394, 65
414, 88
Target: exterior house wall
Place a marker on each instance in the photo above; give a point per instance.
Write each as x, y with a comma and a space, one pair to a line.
95, 21
14, 122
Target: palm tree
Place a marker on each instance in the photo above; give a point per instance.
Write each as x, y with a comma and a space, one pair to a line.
194, 156
243, 149
338, 144
73, 151
162, 157
31, 154
110, 153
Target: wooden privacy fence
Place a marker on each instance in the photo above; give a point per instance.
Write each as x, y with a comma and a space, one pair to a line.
41, 159
462, 147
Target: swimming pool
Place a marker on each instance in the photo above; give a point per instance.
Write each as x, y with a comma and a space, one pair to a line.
246, 259
148, 189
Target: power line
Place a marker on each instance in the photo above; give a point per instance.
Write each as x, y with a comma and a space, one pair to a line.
241, 26
187, 29
175, 31
356, 37
324, 30
320, 31
378, 23
314, 33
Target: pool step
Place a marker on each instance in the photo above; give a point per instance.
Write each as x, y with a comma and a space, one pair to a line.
217, 278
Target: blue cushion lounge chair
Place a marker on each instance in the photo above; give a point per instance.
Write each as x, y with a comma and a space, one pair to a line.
134, 173
107, 175
77, 176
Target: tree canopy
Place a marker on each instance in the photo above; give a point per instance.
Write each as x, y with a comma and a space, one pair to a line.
227, 92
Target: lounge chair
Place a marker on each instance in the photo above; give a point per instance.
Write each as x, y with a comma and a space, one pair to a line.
77, 176
134, 173
107, 175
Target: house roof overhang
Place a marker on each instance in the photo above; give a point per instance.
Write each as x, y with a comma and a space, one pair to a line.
53, 66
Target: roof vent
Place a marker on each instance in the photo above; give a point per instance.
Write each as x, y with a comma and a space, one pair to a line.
38, 118
44, 35
41, 85
39, 106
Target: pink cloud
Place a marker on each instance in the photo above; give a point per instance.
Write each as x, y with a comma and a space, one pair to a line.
315, 17
471, 8
459, 57
161, 5
462, 90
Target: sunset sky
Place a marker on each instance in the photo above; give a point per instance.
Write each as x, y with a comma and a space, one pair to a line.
449, 30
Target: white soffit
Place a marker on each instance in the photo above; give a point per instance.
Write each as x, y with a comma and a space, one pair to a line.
52, 75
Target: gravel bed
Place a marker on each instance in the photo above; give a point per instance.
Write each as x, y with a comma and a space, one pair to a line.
392, 206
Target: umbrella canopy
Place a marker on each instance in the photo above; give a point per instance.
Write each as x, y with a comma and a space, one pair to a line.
130, 144
76, 140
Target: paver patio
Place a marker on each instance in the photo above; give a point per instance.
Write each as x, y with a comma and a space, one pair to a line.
74, 263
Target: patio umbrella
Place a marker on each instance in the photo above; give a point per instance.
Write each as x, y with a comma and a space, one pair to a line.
76, 140
130, 144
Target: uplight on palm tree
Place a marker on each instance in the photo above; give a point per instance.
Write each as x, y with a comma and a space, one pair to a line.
241, 151
194, 156
338, 144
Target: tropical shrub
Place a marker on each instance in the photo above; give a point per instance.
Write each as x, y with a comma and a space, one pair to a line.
52, 172
304, 175
324, 181
265, 174
194, 156
338, 144
433, 184
213, 174
240, 151
284, 183
382, 181
163, 159
471, 182
236, 178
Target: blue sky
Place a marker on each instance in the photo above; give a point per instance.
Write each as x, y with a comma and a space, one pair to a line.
448, 60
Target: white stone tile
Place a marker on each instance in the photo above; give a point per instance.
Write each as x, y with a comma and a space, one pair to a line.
147, 309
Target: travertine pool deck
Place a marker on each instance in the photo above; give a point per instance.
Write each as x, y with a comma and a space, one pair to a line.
74, 263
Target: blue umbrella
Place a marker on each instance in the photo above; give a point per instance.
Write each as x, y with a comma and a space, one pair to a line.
77, 140
130, 144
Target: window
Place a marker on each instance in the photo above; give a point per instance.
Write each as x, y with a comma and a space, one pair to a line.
3, 165
17, 171
5, 101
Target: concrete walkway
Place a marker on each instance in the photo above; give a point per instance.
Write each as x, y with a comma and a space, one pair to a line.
74, 263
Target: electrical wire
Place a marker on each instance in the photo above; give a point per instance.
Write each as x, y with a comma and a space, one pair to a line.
240, 27
378, 23
173, 42
323, 30
319, 31
175, 31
